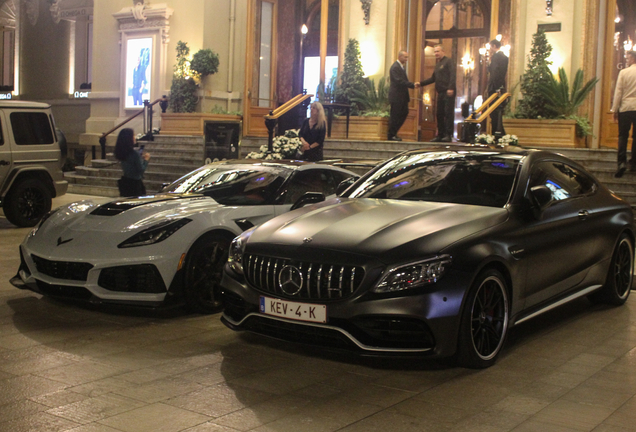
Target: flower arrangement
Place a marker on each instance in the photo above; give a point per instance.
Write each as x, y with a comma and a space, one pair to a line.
509, 140
284, 147
485, 139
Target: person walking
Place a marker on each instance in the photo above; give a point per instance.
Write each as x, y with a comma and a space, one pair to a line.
497, 70
133, 165
399, 95
624, 108
444, 79
312, 133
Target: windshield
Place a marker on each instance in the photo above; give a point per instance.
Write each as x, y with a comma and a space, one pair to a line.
233, 184
478, 178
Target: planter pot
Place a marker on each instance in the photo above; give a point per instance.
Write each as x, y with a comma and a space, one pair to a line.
371, 128
190, 123
544, 133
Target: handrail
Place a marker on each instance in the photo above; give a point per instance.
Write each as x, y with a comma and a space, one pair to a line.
272, 118
141, 111
290, 104
490, 109
483, 105
163, 101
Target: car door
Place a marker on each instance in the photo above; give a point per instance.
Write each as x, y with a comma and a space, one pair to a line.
5, 153
560, 244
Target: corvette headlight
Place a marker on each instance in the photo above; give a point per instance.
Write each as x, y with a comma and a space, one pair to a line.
155, 234
44, 218
237, 247
413, 275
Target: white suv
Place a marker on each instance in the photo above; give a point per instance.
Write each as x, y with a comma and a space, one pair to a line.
32, 153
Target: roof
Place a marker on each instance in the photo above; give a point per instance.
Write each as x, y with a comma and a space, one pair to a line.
23, 104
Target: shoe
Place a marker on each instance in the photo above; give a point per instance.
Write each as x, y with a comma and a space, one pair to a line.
621, 170
395, 138
446, 139
436, 139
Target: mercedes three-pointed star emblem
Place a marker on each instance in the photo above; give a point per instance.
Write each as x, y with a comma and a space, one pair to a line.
290, 280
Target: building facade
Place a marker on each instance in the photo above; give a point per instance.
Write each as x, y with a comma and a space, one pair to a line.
84, 56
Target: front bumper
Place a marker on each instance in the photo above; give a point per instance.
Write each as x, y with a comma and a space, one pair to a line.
113, 282
422, 323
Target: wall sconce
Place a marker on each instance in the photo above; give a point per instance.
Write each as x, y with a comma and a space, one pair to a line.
548, 7
304, 29
468, 64
366, 7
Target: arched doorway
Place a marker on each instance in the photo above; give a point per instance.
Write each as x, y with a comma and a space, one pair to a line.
462, 28
620, 37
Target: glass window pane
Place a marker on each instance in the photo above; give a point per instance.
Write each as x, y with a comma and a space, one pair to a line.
31, 128
265, 57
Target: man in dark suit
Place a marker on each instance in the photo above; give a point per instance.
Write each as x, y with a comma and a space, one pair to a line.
497, 70
444, 79
399, 95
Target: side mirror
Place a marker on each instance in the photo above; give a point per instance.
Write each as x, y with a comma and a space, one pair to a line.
344, 185
541, 196
308, 198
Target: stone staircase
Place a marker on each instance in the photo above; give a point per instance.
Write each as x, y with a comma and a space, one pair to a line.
173, 156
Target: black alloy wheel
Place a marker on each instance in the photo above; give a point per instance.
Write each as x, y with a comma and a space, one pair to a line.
484, 323
27, 202
204, 268
618, 284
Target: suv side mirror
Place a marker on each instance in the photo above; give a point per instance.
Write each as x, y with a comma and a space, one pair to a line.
541, 196
308, 198
344, 185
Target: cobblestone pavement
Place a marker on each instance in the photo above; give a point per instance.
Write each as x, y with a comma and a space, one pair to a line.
71, 367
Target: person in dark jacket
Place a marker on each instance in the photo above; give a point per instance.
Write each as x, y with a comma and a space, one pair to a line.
399, 95
133, 164
444, 79
312, 133
497, 70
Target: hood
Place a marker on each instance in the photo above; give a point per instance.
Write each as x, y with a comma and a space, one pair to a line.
125, 214
381, 228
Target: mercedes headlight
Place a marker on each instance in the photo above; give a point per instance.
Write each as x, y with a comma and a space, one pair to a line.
155, 234
413, 275
237, 247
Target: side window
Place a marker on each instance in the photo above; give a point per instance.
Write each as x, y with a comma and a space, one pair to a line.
315, 180
31, 128
562, 179
1, 133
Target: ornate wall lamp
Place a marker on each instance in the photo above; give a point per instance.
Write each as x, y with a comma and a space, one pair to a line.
366, 7
548, 7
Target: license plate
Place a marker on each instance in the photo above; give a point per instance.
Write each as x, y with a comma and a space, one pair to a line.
293, 310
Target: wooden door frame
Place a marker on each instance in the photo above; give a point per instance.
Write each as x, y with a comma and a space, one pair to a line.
253, 123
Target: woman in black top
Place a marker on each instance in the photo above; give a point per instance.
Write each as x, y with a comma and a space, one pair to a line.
133, 165
312, 133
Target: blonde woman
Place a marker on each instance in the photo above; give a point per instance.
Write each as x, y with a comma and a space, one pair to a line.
312, 133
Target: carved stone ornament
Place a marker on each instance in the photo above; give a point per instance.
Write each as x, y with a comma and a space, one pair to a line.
366, 7
32, 10
146, 16
70, 10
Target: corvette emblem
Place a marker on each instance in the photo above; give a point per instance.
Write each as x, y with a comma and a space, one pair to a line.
61, 242
307, 240
290, 280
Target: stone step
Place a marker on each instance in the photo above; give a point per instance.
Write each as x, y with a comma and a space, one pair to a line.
149, 175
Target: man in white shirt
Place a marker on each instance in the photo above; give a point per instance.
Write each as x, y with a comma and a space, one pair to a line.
624, 108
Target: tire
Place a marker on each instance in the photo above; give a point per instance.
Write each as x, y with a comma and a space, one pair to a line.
204, 268
27, 202
484, 321
618, 283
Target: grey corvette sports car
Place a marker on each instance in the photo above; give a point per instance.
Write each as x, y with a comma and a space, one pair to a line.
434, 253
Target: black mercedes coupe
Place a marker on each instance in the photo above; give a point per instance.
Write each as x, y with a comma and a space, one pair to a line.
434, 253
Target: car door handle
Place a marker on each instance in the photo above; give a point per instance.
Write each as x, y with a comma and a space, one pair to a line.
583, 214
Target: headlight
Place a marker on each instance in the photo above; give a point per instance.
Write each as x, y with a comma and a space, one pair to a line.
237, 247
413, 275
155, 234
44, 218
